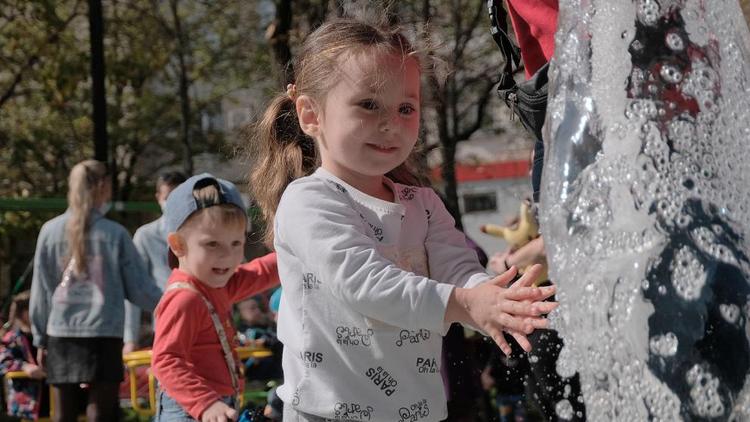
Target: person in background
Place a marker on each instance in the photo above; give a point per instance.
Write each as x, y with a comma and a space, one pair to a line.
25, 398
151, 242
257, 328
535, 23
85, 266
194, 356
274, 408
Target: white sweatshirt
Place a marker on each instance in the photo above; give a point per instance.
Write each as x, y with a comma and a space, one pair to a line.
366, 284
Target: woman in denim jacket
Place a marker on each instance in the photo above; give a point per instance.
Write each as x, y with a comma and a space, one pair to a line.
84, 267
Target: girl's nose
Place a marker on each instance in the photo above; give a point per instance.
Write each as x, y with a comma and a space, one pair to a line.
386, 122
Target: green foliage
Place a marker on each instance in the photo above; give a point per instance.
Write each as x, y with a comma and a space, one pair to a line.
45, 86
45, 94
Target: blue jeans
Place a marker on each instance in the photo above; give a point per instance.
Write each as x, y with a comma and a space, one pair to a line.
168, 410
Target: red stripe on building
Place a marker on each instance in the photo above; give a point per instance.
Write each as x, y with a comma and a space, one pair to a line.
487, 171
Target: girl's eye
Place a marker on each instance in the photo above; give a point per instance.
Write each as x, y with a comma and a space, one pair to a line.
368, 105
212, 244
407, 109
236, 243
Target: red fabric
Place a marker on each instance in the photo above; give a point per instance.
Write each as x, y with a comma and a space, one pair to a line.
535, 23
187, 358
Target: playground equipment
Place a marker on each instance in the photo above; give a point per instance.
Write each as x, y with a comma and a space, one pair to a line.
137, 364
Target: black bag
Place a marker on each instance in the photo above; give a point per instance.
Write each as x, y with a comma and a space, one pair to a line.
527, 100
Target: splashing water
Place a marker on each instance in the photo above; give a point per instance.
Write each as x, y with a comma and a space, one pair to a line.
646, 207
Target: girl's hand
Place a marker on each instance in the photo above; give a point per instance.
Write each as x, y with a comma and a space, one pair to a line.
33, 371
219, 412
128, 347
41, 357
493, 307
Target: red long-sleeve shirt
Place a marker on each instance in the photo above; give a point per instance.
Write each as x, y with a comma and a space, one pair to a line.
187, 357
535, 23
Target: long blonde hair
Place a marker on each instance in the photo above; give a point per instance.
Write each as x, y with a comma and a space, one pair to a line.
84, 186
285, 152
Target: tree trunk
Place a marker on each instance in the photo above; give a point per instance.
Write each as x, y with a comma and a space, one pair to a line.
183, 90
98, 93
448, 172
278, 37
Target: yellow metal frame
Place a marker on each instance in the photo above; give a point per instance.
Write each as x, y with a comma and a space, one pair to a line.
134, 360
140, 358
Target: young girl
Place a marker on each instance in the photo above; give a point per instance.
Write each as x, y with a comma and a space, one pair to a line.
85, 266
373, 270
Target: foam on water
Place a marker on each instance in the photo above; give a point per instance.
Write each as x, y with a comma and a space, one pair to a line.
646, 207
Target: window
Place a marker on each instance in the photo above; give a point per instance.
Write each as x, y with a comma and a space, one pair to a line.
478, 202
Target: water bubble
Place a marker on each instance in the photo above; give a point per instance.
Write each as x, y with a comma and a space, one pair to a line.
670, 74
730, 312
704, 392
675, 42
688, 274
564, 410
664, 344
648, 12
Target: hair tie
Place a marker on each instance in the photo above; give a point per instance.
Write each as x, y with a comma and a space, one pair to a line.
291, 92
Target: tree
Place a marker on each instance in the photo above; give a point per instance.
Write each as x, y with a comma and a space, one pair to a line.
461, 101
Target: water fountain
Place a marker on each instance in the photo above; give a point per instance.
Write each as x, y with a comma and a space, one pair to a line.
646, 207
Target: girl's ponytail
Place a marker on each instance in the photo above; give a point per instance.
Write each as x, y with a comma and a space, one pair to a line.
285, 154
83, 184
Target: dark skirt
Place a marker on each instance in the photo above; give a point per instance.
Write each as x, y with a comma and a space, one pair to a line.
72, 360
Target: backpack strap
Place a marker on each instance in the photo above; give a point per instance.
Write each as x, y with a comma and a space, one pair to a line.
499, 31
228, 356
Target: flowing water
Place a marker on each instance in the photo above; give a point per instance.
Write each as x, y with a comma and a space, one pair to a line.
646, 207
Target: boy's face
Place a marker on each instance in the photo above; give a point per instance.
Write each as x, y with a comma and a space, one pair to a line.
212, 251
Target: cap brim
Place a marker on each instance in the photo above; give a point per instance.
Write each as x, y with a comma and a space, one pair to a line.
172, 259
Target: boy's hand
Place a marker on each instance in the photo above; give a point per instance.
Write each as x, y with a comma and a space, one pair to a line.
493, 307
219, 412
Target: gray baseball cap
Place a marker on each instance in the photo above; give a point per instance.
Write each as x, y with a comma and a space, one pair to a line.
181, 202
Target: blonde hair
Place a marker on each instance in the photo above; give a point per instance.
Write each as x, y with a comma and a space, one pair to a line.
84, 182
285, 152
224, 214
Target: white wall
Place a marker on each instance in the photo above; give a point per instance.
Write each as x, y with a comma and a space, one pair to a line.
509, 193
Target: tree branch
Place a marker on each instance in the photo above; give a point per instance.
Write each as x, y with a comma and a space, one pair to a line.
479, 116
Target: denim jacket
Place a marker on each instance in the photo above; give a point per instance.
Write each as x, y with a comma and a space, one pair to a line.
90, 305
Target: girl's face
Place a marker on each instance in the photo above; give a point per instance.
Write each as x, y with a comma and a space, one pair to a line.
369, 121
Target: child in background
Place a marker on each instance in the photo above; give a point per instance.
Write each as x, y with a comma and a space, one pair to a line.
254, 322
257, 328
24, 398
193, 355
373, 269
